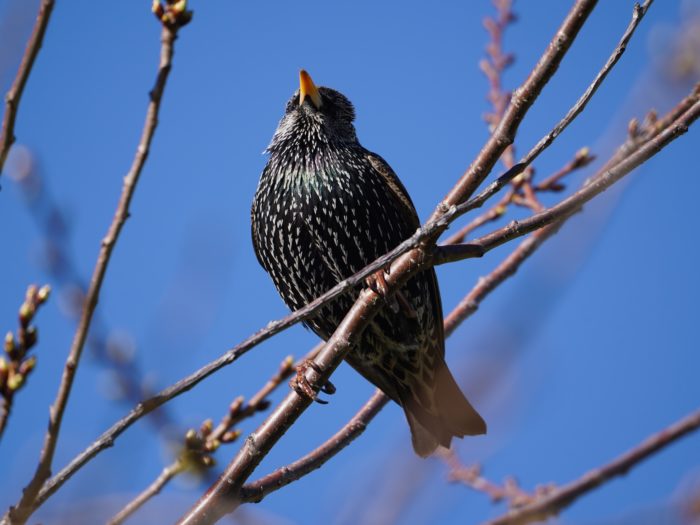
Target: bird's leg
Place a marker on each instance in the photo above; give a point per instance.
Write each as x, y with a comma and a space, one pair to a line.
377, 283
301, 385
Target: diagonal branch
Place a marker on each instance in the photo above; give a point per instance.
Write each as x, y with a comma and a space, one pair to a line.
560, 498
28, 502
14, 95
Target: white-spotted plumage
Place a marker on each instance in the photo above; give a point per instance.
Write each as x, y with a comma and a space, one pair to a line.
326, 207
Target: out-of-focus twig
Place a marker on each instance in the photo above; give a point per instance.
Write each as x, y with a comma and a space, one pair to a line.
472, 477
14, 95
170, 26
199, 446
559, 498
581, 159
15, 369
60, 265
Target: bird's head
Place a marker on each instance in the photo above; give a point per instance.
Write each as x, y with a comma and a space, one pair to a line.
315, 116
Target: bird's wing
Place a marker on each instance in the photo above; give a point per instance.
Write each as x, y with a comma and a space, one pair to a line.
399, 191
397, 188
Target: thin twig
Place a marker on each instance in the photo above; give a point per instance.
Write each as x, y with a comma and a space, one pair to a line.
581, 159
14, 95
257, 490
28, 502
593, 186
552, 183
506, 136
199, 447
560, 498
637, 15
152, 490
521, 101
472, 477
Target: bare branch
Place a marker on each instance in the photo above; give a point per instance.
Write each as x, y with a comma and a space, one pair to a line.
560, 498
257, 490
199, 447
14, 95
472, 477
581, 159
153, 489
29, 502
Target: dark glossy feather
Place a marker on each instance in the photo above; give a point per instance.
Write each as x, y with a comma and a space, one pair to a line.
325, 208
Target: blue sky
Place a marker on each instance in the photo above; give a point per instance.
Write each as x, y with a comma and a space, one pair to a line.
590, 348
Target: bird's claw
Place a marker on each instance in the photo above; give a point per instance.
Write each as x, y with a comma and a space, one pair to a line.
377, 283
301, 385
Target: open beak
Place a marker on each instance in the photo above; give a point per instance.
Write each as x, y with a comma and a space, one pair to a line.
307, 88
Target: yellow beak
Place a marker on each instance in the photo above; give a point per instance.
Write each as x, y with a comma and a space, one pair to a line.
307, 88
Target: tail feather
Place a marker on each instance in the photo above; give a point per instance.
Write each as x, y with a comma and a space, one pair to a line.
450, 415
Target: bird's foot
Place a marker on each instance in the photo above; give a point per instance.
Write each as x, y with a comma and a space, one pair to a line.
377, 283
301, 385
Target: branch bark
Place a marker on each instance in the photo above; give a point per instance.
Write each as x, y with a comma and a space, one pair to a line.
561, 498
14, 95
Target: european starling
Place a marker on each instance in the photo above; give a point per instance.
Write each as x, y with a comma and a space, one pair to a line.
326, 207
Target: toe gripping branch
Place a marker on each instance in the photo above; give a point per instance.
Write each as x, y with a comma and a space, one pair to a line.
301, 385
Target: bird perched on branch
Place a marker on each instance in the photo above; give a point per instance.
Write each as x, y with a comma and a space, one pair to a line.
324, 209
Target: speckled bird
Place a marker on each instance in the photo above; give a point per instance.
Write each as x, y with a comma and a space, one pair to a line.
324, 209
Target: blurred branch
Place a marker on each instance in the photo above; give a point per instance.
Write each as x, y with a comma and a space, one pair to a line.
168, 473
61, 266
558, 499
471, 476
521, 102
199, 446
581, 159
493, 66
14, 95
28, 503
16, 368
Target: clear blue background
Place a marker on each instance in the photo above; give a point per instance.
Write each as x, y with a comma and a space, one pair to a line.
589, 349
